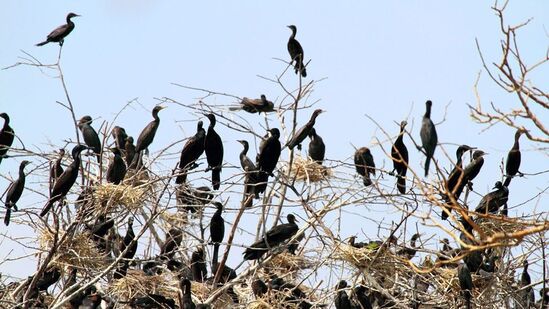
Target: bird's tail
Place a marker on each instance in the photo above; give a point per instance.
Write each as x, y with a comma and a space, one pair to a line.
300, 67
215, 254
401, 184
46, 208
507, 181
8, 216
42, 43
427, 163
366, 181
181, 178
216, 178
444, 214
468, 299
235, 108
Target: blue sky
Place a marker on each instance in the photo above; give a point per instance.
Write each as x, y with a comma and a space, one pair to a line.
381, 58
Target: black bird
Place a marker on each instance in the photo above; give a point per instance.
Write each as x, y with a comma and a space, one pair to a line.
259, 288
192, 150
342, 300
399, 155
293, 294
304, 131
227, 273
56, 168
513, 159
454, 179
7, 135
274, 237
217, 229
465, 283
428, 135
120, 136
213, 146
127, 241
59, 34
409, 252
193, 199
129, 151
471, 171
152, 301
492, 201
353, 243
14, 192
250, 169
317, 149
186, 299
245, 162
198, 265
526, 294
362, 299
48, 278
90, 136
364, 164
146, 137
269, 152
117, 168
65, 182
473, 259
173, 240
296, 53
99, 229
253, 106
447, 253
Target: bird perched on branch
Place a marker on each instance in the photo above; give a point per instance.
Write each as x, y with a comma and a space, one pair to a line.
428, 134
253, 106
59, 34
65, 182
409, 252
304, 131
274, 237
455, 177
14, 192
116, 170
56, 168
342, 300
213, 146
296, 53
466, 284
186, 299
471, 171
317, 149
198, 265
193, 149
399, 155
513, 159
90, 135
7, 135
146, 137
120, 136
269, 152
217, 229
172, 242
364, 165
492, 201
129, 152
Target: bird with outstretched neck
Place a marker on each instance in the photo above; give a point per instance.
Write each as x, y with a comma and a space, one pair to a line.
58, 34
193, 149
296, 52
7, 135
213, 146
513, 159
428, 134
304, 131
399, 155
14, 192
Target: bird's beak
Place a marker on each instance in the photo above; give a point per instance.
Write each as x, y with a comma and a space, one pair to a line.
163, 107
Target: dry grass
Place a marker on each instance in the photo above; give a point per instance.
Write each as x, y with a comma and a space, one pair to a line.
305, 169
109, 197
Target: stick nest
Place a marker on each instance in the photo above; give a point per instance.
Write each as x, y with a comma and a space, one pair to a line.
285, 263
109, 196
77, 251
305, 169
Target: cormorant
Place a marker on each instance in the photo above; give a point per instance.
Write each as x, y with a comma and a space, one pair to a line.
353, 243
7, 135
492, 201
14, 192
117, 168
471, 171
526, 294
101, 227
146, 137
274, 237
173, 240
473, 259
342, 300
198, 266
296, 53
192, 199
255, 105
152, 301
269, 152
293, 293
513, 159
259, 288
59, 34
65, 182
49, 277
317, 149
56, 168
399, 155
364, 164
465, 283
250, 169
192, 150
186, 299
447, 253
245, 162
409, 252
217, 229
120, 136
362, 299
428, 135
213, 146
304, 131
455, 178
129, 153
90, 136
127, 241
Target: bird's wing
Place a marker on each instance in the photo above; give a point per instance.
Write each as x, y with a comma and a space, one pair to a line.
57, 32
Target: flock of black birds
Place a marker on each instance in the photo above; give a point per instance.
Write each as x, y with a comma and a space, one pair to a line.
126, 156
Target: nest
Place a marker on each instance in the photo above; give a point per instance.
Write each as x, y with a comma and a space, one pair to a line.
492, 226
273, 298
286, 262
176, 219
363, 257
108, 196
305, 169
78, 251
137, 284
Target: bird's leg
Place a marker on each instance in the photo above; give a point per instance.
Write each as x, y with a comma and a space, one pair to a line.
470, 185
419, 148
61, 42
392, 173
299, 147
520, 174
